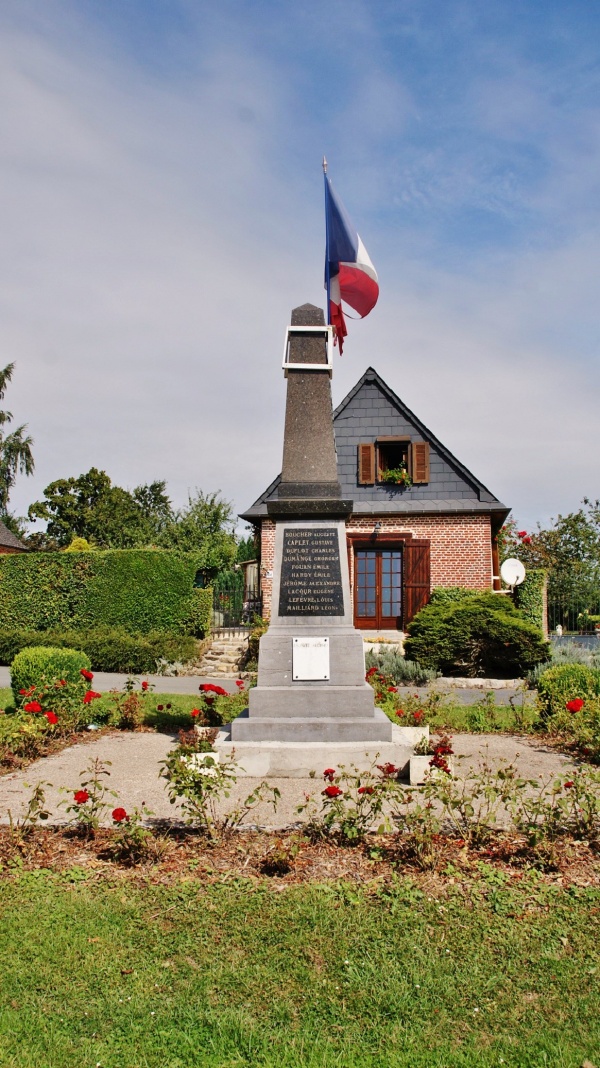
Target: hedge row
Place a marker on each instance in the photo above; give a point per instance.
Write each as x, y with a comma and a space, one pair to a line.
108, 650
137, 590
529, 596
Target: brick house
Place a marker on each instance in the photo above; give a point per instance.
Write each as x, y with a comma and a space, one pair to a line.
402, 541
9, 543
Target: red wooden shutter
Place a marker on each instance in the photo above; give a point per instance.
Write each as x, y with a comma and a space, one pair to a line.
366, 464
416, 578
420, 461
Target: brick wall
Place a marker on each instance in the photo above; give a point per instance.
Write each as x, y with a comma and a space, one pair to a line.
461, 551
460, 546
267, 558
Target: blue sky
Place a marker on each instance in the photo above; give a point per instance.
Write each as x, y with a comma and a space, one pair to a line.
162, 213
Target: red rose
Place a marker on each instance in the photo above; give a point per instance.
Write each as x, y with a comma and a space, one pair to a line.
209, 687
329, 773
392, 689
119, 814
332, 791
569, 785
168, 706
372, 671
87, 674
32, 706
521, 534
400, 712
90, 696
159, 708
145, 685
239, 682
388, 769
51, 717
22, 691
418, 715
366, 789
195, 712
572, 706
81, 796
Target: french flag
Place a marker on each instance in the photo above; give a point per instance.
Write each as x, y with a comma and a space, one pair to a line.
349, 274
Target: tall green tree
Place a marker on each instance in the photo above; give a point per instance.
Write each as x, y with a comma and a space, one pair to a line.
16, 456
206, 524
111, 517
568, 548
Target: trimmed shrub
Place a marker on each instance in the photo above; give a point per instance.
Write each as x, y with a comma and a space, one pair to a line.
479, 635
107, 649
138, 590
563, 683
38, 664
529, 597
449, 594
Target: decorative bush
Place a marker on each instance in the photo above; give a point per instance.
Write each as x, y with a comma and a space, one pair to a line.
529, 597
138, 590
587, 623
107, 649
566, 682
477, 635
38, 664
449, 594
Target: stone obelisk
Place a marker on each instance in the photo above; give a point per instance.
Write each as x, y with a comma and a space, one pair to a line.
311, 668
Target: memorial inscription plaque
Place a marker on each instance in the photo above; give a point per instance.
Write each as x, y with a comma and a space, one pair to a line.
311, 579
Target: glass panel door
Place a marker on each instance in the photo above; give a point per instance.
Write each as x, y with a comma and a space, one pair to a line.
378, 588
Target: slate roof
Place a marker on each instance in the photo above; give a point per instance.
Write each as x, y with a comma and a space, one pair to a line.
8, 540
372, 409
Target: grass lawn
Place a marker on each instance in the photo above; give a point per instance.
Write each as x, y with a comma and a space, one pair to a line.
125, 973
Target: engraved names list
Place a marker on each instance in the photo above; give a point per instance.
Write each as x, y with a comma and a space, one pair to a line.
311, 580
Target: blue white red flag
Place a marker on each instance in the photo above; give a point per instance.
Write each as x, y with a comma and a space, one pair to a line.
349, 274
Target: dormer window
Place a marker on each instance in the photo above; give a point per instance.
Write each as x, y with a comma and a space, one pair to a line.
377, 457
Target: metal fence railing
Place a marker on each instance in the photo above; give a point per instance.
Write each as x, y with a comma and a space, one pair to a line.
572, 617
235, 604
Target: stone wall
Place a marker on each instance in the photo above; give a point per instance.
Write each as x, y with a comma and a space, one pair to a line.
461, 550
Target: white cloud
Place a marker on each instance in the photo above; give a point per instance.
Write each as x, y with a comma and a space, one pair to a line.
158, 229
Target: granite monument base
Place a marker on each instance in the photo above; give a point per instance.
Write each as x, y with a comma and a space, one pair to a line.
302, 760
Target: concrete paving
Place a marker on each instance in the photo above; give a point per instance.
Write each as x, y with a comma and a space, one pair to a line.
104, 681
135, 773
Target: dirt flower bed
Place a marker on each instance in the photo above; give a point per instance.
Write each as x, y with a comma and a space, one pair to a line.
291, 859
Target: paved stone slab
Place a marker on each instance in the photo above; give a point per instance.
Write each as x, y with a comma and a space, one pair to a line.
136, 764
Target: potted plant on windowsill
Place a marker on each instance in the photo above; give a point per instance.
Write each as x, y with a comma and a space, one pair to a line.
430, 757
397, 475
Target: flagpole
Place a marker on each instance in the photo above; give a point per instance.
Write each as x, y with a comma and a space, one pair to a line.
327, 274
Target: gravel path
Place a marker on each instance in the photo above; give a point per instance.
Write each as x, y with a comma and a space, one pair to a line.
135, 765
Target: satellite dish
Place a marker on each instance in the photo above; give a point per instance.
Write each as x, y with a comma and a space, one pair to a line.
512, 572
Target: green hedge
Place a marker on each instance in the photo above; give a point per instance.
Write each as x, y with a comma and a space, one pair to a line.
563, 683
137, 590
529, 597
108, 650
35, 665
479, 635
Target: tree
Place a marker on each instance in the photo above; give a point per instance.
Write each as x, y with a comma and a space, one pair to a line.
110, 517
91, 507
205, 525
15, 449
569, 549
